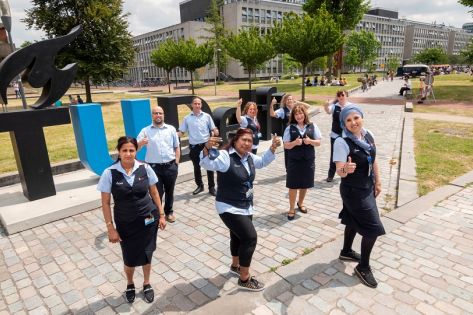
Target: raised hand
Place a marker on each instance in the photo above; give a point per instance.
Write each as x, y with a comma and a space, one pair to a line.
307, 140
276, 142
273, 101
350, 166
144, 141
239, 102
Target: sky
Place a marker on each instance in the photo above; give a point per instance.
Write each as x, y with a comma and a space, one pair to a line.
149, 15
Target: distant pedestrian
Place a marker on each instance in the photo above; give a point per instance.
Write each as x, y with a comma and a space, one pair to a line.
16, 86
133, 186
72, 100
79, 100
355, 157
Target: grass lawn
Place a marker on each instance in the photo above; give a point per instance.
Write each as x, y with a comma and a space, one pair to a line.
451, 87
443, 151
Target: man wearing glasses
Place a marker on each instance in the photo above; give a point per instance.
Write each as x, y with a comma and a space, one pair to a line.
334, 108
162, 154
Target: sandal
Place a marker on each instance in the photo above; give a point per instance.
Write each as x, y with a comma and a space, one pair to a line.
291, 215
302, 209
130, 293
148, 292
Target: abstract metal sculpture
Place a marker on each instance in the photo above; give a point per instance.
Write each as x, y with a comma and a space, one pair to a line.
38, 61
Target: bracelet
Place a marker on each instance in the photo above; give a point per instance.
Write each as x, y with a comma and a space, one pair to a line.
162, 214
109, 223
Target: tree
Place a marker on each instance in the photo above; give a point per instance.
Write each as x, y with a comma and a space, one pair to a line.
362, 47
218, 31
392, 63
25, 44
165, 56
251, 49
191, 56
289, 64
467, 53
347, 13
467, 3
305, 38
103, 51
456, 59
431, 56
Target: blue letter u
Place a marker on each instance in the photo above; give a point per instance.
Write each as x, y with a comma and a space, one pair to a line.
89, 130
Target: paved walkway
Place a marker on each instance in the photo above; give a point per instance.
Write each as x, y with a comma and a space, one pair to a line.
423, 265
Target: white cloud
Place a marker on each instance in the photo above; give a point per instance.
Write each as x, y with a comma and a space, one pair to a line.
149, 15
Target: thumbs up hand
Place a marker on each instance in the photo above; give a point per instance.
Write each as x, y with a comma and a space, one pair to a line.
307, 140
276, 142
298, 141
350, 166
273, 101
239, 102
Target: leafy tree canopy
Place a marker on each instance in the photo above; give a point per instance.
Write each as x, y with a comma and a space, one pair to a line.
431, 56
347, 13
467, 53
191, 56
362, 48
103, 51
305, 38
251, 49
165, 56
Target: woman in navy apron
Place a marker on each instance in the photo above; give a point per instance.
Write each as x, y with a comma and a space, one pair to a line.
354, 154
300, 138
249, 120
236, 169
133, 186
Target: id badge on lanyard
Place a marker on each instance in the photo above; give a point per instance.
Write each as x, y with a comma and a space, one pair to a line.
249, 192
370, 164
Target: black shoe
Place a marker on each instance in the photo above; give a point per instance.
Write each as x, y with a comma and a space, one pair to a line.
251, 285
366, 277
350, 256
199, 189
235, 270
329, 179
212, 191
130, 293
148, 293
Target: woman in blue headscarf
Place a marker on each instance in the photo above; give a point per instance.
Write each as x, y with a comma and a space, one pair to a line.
355, 157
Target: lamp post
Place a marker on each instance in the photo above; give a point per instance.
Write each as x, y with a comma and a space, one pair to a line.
216, 69
6, 21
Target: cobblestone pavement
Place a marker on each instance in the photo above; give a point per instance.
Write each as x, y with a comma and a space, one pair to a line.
68, 266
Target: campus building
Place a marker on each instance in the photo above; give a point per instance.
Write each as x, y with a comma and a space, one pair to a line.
400, 38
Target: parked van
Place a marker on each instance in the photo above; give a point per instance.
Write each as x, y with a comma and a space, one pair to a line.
415, 69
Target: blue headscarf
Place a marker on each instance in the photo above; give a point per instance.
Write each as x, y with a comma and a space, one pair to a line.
347, 110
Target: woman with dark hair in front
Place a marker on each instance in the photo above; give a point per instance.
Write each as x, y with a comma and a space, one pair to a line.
249, 120
300, 138
355, 157
133, 186
334, 108
236, 166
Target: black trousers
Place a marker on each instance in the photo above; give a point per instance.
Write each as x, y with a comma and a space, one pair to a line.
403, 89
194, 155
167, 175
243, 236
332, 167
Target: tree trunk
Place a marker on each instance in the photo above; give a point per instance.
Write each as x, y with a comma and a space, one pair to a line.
192, 82
303, 82
88, 95
249, 78
175, 74
330, 66
169, 82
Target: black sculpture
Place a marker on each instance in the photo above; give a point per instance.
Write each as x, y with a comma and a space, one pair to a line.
26, 126
38, 60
